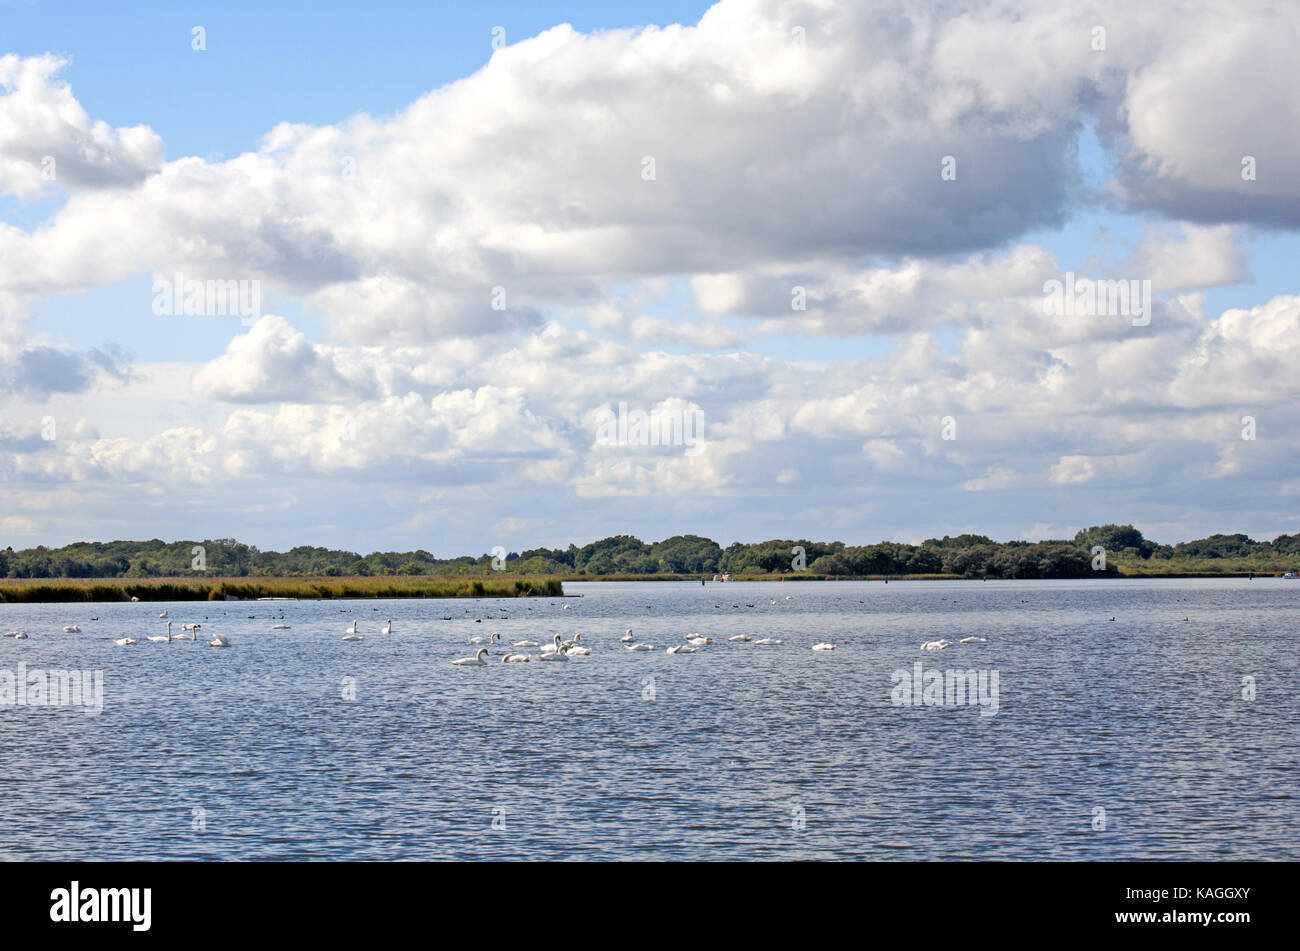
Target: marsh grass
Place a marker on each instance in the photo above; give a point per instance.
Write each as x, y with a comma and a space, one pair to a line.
23, 591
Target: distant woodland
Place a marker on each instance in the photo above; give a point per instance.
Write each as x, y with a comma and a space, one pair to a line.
1127, 552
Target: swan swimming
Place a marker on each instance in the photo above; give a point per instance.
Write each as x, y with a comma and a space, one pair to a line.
163, 638
739, 638
627, 638
219, 641
387, 628
279, 627
767, 640
475, 661
23, 635
553, 651
352, 637
524, 644
973, 640
823, 647
480, 639
577, 651
124, 641
515, 659
939, 645
164, 614
639, 647
680, 649
72, 629
350, 630
190, 627
696, 640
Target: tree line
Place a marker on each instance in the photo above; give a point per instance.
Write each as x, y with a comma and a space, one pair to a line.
969, 556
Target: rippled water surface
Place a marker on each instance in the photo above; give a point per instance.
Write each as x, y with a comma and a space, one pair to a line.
737, 751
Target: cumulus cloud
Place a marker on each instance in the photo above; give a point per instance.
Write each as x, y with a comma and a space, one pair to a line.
486, 259
46, 137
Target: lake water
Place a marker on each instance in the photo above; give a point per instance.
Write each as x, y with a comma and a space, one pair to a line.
1130, 738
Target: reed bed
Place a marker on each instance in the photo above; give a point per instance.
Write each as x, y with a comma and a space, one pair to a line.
28, 591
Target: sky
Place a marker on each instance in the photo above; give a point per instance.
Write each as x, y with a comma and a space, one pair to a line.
822, 248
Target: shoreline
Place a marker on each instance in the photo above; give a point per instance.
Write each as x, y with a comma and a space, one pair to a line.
436, 587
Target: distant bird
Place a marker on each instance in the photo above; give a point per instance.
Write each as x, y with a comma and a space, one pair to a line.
387, 628
680, 649
480, 639
124, 641
279, 627
163, 638
72, 629
739, 638
973, 640
352, 637
577, 651
350, 630
515, 658
938, 645
638, 647
219, 641
823, 647
524, 644
697, 640
767, 640
475, 661
627, 638
164, 614
23, 636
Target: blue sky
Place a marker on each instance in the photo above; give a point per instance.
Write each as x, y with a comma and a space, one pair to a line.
783, 163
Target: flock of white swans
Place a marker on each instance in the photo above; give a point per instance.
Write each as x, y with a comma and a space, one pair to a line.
517, 652
559, 649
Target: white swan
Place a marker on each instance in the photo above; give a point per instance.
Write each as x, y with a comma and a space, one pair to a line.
352, 637
23, 635
190, 627
387, 628
163, 638
524, 644
480, 639
219, 641
823, 647
573, 643
555, 647
627, 638
513, 658
124, 641
475, 661
554, 652
696, 640
973, 640
767, 640
164, 614
638, 647
578, 651
739, 638
680, 649
279, 627
350, 630
72, 629
938, 645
